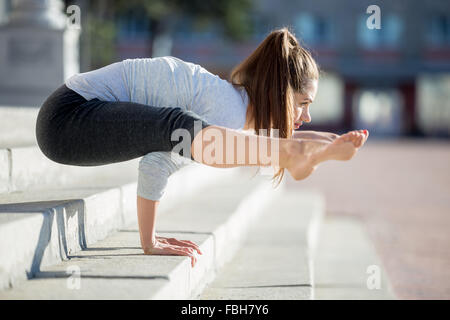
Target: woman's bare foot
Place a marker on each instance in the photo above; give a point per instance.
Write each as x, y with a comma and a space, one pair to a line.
346, 146
342, 148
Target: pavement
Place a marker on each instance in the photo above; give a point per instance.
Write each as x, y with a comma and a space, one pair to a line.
399, 189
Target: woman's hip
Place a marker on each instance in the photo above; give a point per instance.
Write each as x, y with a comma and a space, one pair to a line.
52, 118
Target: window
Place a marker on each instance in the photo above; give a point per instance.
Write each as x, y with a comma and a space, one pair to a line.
438, 30
133, 25
313, 29
433, 103
328, 105
379, 110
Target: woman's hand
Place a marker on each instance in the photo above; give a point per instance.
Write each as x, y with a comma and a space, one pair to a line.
172, 246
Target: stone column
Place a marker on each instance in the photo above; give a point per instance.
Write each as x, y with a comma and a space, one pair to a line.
38, 51
3, 8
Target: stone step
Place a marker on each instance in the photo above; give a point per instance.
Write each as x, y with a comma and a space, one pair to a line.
46, 222
346, 265
17, 126
274, 261
43, 227
27, 168
115, 268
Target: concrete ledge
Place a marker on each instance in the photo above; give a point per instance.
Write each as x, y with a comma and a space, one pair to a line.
40, 227
44, 232
27, 168
5, 170
116, 268
342, 258
18, 126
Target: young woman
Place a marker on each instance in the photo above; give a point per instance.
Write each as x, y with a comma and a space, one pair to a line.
130, 109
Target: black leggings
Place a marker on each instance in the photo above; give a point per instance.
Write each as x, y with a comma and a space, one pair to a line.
74, 131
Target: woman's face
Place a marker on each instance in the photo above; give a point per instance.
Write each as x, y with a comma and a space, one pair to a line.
302, 102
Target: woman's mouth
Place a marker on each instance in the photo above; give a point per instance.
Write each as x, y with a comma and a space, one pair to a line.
297, 125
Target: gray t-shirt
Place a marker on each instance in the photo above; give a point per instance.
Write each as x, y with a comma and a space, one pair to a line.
164, 82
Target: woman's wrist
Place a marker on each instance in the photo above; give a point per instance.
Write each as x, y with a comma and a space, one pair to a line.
148, 247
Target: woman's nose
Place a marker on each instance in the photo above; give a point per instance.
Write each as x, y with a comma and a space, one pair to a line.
306, 117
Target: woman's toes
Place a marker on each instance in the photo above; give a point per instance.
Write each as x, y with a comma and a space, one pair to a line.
358, 140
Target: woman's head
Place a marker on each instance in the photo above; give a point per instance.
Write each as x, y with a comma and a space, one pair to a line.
280, 78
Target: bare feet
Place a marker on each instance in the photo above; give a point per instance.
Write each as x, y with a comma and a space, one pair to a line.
342, 148
346, 146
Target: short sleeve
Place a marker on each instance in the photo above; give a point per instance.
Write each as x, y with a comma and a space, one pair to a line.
155, 168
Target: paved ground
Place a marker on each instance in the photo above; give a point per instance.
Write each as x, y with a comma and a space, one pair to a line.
400, 189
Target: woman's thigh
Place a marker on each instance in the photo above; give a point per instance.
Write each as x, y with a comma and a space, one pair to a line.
99, 132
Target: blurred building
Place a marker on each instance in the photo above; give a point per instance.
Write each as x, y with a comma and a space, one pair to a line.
38, 50
3, 10
393, 80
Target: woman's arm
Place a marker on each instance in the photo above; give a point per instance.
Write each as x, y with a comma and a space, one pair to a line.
156, 245
221, 147
315, 135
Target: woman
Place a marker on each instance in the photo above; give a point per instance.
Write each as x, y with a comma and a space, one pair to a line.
132, 108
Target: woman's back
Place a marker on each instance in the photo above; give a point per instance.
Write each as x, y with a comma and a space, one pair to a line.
166, 82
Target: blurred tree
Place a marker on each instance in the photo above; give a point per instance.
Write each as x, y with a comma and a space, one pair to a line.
232, 14
99, 22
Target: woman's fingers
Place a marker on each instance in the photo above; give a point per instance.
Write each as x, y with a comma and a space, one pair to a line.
167, 249
182, 243
183, 252
189, 244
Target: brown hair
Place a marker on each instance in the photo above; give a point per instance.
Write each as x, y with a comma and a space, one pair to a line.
277, 68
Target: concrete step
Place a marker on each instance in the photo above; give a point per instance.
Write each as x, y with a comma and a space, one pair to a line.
274, 261
18, 126
44, 227
346, 265
27, 168
116, 268
78, 206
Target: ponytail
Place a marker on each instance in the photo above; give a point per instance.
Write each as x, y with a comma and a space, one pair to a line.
271, 75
